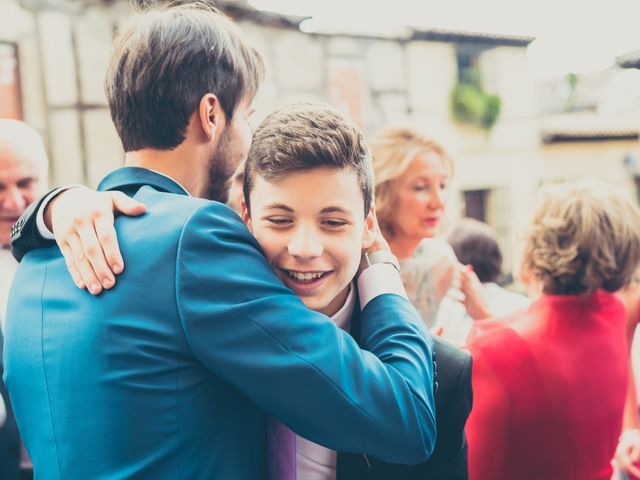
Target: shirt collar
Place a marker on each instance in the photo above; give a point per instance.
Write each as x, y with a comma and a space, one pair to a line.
342, 317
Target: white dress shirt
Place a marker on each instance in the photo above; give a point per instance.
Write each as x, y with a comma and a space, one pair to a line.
313, 461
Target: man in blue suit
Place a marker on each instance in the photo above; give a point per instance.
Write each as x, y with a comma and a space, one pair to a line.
172, 373
313, 243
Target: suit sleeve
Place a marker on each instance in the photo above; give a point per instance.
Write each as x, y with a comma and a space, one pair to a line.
245, 326
24, 234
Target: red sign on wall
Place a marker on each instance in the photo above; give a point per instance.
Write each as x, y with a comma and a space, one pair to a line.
10, 105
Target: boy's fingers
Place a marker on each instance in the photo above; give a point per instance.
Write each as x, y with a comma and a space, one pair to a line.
108, 239
71, 266
126, 205
84, 267
95, 255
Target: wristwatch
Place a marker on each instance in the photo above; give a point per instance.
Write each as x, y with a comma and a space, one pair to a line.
380, 256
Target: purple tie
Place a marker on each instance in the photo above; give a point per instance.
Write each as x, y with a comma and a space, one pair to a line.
281, 451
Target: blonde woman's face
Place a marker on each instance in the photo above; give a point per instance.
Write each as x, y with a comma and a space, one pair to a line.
420, 197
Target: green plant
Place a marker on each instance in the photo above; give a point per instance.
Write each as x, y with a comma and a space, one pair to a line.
471, 104
572, 81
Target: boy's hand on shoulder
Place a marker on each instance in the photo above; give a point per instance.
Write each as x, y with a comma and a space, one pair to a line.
82, 222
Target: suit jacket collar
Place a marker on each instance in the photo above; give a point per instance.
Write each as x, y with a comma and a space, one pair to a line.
128, 177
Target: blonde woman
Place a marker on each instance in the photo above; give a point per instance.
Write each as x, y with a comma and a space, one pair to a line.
413, 172
549, 388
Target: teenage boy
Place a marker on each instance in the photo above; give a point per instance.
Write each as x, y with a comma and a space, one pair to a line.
308, 185
309, 202
173, 373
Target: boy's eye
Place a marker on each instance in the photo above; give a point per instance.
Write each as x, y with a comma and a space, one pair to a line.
280, 222
334, 223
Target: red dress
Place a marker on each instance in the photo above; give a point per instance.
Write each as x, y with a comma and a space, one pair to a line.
549, 392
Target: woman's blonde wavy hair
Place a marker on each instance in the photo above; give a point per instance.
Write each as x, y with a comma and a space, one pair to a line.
393, 151
583, 237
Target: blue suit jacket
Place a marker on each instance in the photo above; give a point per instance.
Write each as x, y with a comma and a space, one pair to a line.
171, 374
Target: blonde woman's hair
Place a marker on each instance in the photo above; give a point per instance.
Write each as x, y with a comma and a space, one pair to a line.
393, 151
583, 237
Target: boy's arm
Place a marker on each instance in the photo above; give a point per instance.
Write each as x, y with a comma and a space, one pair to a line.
82, 220
252, 331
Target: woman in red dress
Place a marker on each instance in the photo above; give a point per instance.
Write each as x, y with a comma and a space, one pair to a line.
550, 381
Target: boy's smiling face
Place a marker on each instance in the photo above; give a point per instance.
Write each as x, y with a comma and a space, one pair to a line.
312, 228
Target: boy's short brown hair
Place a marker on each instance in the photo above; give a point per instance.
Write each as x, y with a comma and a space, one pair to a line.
304, 136
165, 62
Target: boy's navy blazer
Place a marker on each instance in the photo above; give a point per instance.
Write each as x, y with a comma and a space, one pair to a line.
172, 373
454, 398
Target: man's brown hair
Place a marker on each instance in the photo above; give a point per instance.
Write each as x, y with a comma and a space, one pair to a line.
304, 136
165, 62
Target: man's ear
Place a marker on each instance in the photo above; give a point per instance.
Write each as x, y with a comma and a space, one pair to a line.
368, 234
210, 116
244, 213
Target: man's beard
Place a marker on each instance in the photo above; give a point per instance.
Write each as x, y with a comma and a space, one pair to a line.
222, 166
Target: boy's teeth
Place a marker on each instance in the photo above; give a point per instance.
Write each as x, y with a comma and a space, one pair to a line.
304, 276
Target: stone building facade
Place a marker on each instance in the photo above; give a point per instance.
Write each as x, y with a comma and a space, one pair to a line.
60, 50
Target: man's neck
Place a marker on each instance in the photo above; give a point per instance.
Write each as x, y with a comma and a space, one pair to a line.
177, 164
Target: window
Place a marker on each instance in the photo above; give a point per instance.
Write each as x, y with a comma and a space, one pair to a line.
467, 56
475, 204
